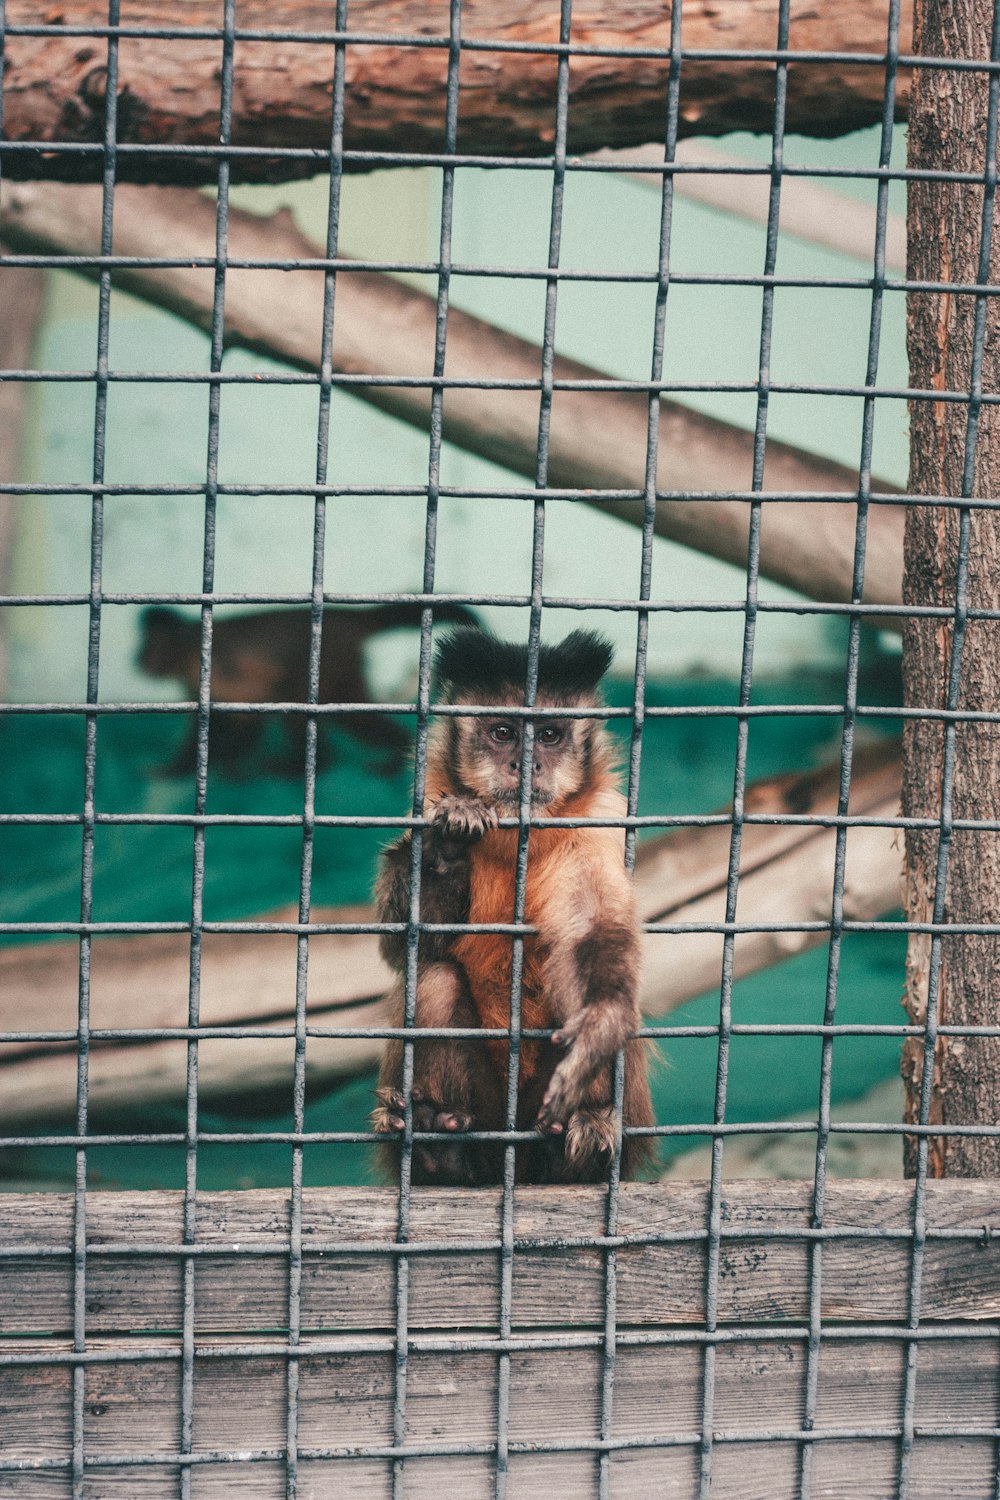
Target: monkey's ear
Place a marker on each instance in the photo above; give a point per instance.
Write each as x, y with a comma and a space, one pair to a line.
473, 659
161, 619
577, 664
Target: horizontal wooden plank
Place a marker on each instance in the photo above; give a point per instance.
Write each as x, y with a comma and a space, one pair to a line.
241, 1280
346, 1376
240, 1406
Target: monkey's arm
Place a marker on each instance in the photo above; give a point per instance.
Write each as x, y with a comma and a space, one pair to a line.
451, 1082
456, 823
594, 979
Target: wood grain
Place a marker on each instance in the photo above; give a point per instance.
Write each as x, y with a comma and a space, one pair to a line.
346, 1383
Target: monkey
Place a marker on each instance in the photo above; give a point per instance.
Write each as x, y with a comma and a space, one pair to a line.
580, 972
263, 657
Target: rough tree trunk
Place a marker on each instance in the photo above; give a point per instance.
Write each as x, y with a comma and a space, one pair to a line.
169, 89
947, 133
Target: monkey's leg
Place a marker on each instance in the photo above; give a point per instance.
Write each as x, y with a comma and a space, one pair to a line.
451, 1089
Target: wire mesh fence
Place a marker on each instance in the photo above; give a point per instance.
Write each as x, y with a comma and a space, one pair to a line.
296, 1350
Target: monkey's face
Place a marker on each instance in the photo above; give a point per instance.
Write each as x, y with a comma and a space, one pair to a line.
488, 758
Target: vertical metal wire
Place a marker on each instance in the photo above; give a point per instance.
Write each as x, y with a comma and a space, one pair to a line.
815, 1283
201, 753
528, 745
420, 753
739, 780
90, 753
609, 1353
311, 750
959, 621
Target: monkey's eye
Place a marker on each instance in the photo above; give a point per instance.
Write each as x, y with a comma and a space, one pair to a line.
548, 734
502, 733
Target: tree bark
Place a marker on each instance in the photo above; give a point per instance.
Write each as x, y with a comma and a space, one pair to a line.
395, 95
947, 133
20, 308
598, 438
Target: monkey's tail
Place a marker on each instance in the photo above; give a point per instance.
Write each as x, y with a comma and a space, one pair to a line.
392, 616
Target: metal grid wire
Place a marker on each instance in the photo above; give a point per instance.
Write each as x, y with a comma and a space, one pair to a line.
402, 1249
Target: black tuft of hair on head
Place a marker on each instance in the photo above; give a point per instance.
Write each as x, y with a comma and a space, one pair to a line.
478, 662
162, 617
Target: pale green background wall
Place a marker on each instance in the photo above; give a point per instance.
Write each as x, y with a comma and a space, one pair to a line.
157, 432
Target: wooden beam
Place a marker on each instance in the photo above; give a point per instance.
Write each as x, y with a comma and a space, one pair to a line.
346, 1352
54, 84
349, 1284
598, 439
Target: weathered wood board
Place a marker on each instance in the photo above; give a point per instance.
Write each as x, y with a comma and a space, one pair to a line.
346, 1369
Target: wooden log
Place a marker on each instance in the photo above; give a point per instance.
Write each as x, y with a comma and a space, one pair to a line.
246, 980
169, 90
786, 874
598, 439
346, 1353
20, 308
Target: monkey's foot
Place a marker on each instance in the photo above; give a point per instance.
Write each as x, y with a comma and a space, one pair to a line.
591, 1133
389, 1114
444, 1162
458, 822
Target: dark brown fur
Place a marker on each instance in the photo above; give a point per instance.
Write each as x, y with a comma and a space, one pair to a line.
263, 657
580, 973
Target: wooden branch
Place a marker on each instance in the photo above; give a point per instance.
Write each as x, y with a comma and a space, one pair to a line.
20, 308
169, 90
246, 979
598, 439
249, 979
346, 1347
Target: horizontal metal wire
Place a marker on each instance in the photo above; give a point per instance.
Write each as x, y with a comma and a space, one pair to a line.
452, 160
315, 1346
487, 1449
504, 1137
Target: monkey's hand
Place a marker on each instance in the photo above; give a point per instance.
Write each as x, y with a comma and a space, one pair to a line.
456, 823
568, 1082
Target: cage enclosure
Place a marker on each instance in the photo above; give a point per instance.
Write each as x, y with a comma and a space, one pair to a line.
325, 330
